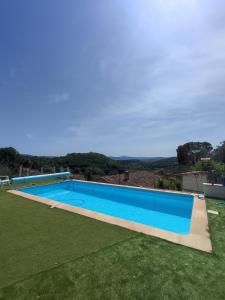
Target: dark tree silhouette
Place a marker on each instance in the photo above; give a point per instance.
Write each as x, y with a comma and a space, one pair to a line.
192, 152
219, 152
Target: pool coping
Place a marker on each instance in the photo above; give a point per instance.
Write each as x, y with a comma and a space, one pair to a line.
198, 238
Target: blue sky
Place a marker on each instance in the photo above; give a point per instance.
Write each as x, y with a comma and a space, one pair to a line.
116, 77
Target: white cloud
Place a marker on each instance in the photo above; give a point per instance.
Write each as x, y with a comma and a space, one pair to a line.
29, 136
59, 98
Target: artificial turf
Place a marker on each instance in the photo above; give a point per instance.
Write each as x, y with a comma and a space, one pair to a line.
53, 254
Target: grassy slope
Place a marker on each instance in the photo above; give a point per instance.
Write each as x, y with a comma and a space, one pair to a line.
99, 261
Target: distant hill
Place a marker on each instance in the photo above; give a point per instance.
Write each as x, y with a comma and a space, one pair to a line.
165, 163
91, 165
87, 164
147, 163
124, 157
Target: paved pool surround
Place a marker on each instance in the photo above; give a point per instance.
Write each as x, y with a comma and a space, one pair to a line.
198, 238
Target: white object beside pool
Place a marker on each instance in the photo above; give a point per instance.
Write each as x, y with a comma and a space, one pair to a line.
214, 212
4, 180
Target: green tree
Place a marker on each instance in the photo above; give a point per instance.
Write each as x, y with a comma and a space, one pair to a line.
9, 157
219, 153
192, 152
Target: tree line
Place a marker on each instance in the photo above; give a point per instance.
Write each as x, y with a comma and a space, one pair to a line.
81, 163
94, 164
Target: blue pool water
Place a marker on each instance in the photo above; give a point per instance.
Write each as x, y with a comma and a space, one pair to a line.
163, 210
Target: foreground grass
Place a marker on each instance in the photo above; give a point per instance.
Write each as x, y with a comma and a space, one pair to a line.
52, 254
34, 237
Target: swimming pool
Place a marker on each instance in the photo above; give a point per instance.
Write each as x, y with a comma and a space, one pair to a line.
163, 210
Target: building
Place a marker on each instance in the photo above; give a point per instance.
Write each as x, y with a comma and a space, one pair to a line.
193, 181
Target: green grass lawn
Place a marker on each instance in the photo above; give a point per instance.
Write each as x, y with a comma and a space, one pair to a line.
53, 254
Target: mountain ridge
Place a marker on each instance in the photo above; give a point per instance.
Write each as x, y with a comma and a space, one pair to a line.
143, 158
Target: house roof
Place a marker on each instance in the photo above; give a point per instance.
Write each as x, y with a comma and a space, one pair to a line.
195, 173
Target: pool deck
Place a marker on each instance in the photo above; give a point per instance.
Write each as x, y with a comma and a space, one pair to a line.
198, 238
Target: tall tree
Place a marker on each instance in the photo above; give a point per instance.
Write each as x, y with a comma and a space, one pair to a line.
219, 152
192, 152
9, 157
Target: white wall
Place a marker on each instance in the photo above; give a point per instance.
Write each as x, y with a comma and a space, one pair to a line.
214, 190
193, 181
